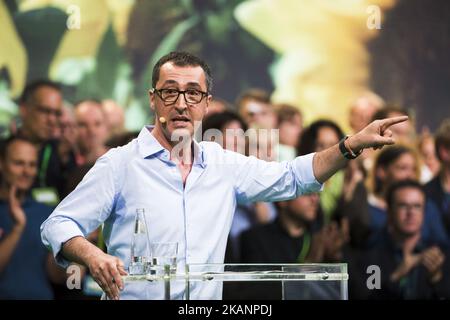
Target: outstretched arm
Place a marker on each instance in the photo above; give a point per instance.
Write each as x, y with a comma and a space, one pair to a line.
375, 135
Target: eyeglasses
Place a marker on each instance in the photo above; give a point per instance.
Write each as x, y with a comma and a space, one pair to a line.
409, 206
191, 96
48, 111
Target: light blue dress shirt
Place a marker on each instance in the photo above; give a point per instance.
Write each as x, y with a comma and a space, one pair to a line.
198, 215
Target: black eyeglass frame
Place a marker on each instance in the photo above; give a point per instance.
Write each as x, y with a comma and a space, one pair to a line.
180, 92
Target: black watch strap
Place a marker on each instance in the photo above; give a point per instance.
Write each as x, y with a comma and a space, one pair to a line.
347, 153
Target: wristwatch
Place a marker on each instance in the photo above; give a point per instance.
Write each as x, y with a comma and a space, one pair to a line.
346, 151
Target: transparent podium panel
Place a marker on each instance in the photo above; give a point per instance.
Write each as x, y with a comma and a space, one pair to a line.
243, 282
267, 281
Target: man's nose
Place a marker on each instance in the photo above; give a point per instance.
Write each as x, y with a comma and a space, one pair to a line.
181, 103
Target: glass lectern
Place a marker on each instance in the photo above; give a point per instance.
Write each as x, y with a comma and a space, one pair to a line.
248, 281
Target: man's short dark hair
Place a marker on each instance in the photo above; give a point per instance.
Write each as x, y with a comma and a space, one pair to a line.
5, 143
182, 59
33, 86
390, 195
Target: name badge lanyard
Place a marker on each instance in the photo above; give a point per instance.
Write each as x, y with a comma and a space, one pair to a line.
305, 247
44, 165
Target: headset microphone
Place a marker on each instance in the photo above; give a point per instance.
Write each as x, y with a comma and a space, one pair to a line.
162, 120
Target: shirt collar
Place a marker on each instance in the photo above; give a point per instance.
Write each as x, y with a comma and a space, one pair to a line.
147, 143
148, 146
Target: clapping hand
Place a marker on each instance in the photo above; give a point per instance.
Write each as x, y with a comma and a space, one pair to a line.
15, 208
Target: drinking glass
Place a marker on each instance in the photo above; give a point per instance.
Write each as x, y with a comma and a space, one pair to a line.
164, 254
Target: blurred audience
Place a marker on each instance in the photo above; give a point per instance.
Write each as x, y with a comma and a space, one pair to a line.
411, 267
92, 133
353, 205
92, 130
218, 105
40, 110
294, 237
114, 117
26, 267
438, 189
394, 164
67, 134
226, 125
362, 111
290, 124
255, 108
373, 212
318, 136
428, 155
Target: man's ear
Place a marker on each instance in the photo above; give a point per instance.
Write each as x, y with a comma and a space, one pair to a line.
151, 96
208, 101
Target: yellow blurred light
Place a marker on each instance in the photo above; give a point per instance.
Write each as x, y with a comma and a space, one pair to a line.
323, 60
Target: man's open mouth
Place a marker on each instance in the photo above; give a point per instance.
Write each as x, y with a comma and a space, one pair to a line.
184, 119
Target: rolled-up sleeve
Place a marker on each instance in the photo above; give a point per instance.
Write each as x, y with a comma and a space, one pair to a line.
83, 210
258, 180
304, 173
57, 230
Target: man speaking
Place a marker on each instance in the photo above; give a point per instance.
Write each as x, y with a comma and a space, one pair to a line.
189, 190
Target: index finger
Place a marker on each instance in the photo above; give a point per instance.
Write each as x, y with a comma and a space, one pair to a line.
391, 121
